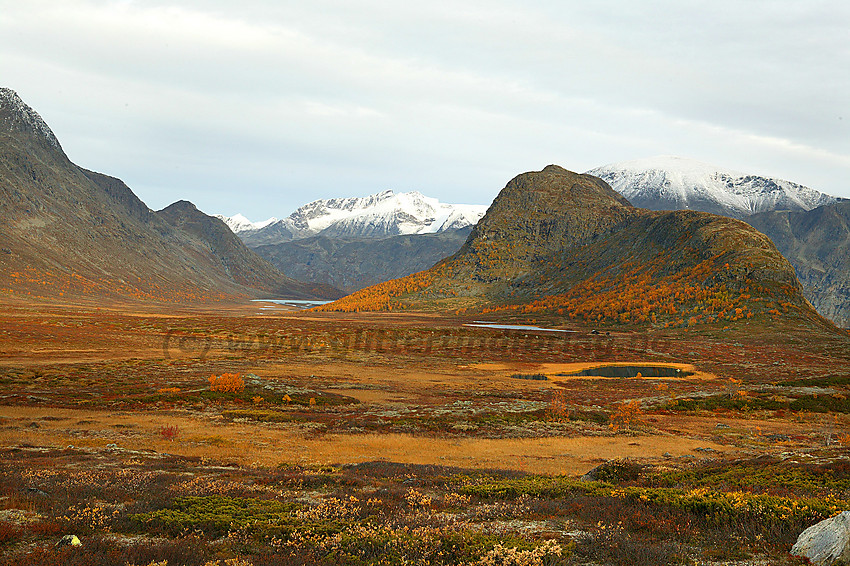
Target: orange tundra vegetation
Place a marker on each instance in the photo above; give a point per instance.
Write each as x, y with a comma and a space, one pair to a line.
227, 383
381, 297
638, 294
635, 294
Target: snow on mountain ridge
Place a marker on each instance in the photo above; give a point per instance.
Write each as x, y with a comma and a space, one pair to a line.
21, 117
669, 182
379, 215
238, 223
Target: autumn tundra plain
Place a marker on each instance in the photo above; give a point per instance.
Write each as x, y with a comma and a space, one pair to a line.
257, 434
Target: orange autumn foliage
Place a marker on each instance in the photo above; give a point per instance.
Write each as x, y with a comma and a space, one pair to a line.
382, 296
649, 292
227, 383
627, 415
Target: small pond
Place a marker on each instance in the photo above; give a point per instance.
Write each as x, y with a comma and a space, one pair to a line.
496, 326
629, 371
299, 303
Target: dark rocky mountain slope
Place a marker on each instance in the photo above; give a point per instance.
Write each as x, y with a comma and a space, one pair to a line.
239, 263
72, 233
353, 263
817, 243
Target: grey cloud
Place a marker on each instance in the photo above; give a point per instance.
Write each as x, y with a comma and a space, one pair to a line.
259, 106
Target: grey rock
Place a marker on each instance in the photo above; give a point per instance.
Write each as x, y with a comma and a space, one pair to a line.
69, 540
827, 543
593, 475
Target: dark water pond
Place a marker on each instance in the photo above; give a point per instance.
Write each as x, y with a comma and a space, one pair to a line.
630, 371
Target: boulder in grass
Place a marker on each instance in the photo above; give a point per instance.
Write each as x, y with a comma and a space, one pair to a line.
826, 543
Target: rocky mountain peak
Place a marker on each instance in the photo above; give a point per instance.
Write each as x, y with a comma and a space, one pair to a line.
181, 206
17, 116
85, 234
552, 207
564, 189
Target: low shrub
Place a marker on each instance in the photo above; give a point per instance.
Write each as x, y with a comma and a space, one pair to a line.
261, 415
169, 433
744, 402
217, 515
617, 547
716, 506
227, 383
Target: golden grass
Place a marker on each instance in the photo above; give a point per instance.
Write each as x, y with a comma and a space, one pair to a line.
375, 379
256, 444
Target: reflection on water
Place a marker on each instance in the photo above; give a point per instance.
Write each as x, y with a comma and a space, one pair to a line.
485, 324
297, 303
629, 371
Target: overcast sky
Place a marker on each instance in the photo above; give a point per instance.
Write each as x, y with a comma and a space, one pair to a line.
259, 106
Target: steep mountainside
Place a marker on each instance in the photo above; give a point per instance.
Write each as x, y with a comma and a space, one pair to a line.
74, 233
568, 245
377, 216
235, 259
675, 183
353, 263
817, 242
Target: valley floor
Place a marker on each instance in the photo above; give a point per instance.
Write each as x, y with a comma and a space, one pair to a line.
339, 433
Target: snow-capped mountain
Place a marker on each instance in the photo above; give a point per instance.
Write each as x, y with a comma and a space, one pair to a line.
238, 223
376, 216
672, 183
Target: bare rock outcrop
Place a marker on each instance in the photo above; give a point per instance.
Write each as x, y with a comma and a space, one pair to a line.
826, 543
